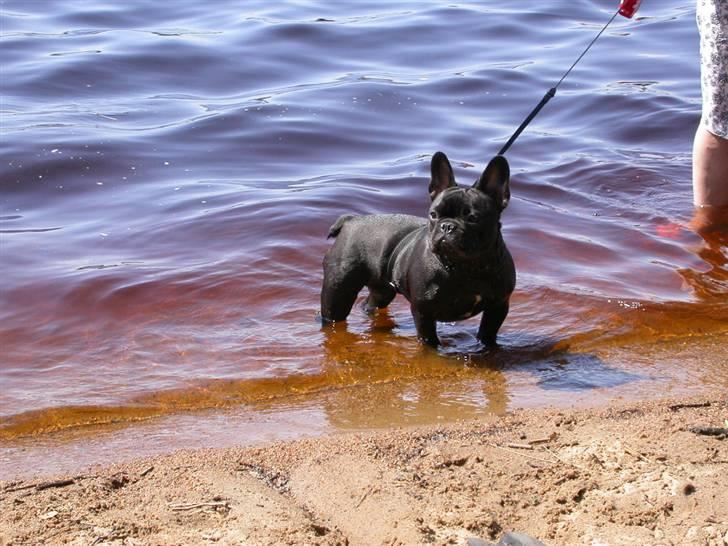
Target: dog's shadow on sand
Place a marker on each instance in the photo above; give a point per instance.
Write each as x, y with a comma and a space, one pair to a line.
554, 365
385, 377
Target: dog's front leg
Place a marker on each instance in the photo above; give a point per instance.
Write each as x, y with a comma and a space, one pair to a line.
426, 327
490, 322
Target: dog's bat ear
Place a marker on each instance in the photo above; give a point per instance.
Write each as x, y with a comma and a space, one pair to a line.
441, 175
495, 181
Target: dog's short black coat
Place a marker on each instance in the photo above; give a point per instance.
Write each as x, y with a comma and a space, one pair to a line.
450, 266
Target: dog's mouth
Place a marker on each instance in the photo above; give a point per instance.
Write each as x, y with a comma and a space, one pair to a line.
452, 242
448, 243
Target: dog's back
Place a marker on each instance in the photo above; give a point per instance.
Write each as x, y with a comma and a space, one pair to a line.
360, 257
370, 240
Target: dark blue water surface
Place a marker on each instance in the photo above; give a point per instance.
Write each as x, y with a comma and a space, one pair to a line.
169, 171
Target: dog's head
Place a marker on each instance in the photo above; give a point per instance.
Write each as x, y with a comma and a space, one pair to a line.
464, 222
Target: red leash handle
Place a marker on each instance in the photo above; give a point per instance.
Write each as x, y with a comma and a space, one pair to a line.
628, 8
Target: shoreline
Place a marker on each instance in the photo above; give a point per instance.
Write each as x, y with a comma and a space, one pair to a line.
627, 473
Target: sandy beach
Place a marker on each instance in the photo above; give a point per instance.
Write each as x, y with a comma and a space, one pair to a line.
631, 473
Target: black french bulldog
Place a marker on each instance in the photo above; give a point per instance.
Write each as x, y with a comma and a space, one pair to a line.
450, 267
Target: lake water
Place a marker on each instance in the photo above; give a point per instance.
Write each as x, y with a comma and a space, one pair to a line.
169, 171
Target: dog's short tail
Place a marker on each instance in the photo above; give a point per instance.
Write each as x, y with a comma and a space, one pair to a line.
336, 228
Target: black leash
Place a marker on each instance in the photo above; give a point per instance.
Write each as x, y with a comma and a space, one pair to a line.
551, 92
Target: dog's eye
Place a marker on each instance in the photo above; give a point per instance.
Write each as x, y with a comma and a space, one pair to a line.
433, 215
473, 218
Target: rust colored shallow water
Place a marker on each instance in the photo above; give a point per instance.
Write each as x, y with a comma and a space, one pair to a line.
167, 183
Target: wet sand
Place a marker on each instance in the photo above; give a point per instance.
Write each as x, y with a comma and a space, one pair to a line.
631, 473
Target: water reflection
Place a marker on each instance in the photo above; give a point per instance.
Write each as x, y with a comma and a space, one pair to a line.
404, 382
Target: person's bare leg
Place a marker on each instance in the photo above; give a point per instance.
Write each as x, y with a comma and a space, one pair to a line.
710, 169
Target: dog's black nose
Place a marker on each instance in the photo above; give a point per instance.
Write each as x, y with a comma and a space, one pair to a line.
447, 227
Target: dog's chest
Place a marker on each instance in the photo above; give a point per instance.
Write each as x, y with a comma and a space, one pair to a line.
458, 305
472, 308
